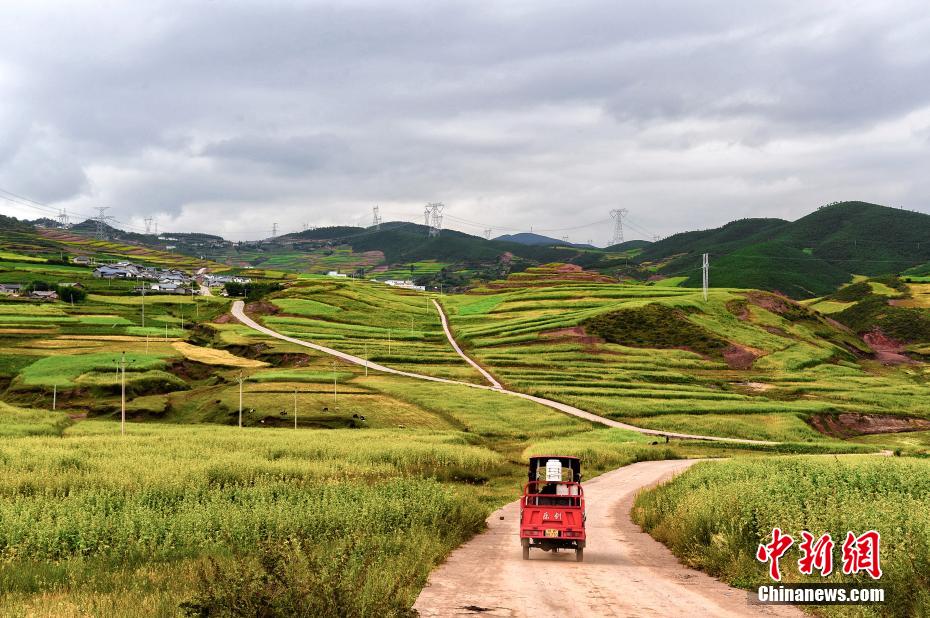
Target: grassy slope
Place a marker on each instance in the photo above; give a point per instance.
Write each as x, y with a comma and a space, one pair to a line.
805, 367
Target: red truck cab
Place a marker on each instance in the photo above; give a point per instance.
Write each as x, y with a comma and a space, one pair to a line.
552, 509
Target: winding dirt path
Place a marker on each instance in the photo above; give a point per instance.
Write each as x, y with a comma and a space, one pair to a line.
238, 311
625, 571
455, 346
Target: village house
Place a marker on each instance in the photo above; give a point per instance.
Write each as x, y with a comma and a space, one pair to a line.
44, 295
11, 288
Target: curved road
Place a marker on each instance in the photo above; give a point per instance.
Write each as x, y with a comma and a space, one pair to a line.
625, 571
238, 311
455, 346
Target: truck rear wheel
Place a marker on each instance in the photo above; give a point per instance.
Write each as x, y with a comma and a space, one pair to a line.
579, 554
526, 549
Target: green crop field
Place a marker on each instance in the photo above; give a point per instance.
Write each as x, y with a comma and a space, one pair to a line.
714, 515
794, 363
189, 513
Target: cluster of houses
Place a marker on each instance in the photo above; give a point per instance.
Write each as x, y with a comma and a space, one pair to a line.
18, 290
164, 280
406, 284
218, 281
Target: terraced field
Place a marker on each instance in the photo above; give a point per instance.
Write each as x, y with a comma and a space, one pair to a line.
389, 326
780, 364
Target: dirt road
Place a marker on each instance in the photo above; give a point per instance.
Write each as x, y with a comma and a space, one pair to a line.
625, 572
238, 311
458, 350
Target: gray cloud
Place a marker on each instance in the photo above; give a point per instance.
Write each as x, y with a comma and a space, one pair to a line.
221, 116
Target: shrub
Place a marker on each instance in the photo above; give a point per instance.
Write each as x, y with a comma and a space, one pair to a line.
654, 326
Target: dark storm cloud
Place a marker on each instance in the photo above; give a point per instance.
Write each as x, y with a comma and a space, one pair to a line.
216, 115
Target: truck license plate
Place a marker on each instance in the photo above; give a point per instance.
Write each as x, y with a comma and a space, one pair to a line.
552, 532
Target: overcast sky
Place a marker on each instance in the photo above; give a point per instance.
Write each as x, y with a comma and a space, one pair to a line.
227, 116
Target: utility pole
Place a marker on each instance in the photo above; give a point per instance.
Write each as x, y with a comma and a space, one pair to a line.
122, 422
389, 342
166, 331
146, 343
54, 396
617, 214
334, 385
295, 408
240, 379
143, 305
705, 268
366, 359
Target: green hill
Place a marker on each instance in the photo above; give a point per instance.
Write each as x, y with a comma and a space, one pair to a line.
804, 258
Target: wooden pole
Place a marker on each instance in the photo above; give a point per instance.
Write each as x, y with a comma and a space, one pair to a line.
240, 400
295, 408
122, 422
54, 395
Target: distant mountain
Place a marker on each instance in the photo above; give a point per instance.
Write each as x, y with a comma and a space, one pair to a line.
529, 238
538, 240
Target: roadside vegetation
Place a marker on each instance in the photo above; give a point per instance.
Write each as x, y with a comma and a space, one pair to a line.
715, 515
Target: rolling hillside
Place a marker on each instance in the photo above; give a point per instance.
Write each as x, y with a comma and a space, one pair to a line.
804, 258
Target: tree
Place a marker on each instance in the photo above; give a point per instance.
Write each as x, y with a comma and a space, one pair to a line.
71, 294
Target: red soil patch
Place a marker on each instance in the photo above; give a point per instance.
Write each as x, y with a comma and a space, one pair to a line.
226, 318
576, 333
848, 425
771, 302
262, 307
887, 350
739, 357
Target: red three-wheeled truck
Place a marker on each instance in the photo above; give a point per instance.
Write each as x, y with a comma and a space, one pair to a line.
552, 515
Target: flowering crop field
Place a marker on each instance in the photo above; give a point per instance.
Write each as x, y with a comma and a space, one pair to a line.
715, 515
117, 525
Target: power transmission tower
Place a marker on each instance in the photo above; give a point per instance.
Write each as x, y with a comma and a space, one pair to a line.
656, 238
617, 215
148, 225
433, 216
274, 230
565, 239
705, 268
156, 227
63, 218
101, 220
376, 217
487, 233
